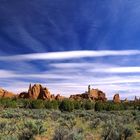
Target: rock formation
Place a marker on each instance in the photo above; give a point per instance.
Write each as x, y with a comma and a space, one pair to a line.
36, 92
116, 98
23, 95
92, 94
6, 94
59, 97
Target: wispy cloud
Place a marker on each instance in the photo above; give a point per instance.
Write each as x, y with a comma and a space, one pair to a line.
117, 70
69, 55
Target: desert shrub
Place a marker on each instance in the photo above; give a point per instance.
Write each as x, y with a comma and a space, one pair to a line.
99, 106
109, 106
87, 105
51, 104
55, 104
77, 104
9, 137
60, 133
36, 113
95, 123
10, 114
75, 134
8, 103
115, 130
25, 103
7, 128
37, 104
68, 131
66, 105
127, 132
55, 115
32, 129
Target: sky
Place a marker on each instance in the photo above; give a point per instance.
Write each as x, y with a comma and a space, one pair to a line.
68, 44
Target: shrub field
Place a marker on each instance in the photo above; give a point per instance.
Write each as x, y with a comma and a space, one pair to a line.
68, 120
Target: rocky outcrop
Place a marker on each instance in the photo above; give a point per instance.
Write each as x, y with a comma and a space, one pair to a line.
6, 94
93, 94
36, 92
59, 97
23, 95
116, 98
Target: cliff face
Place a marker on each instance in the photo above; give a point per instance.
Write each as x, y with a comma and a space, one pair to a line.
93, 94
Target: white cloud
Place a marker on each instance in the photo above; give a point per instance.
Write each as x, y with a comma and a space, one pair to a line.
124, 70
44, 75
116, 70
69, 55
73, 84
81, 65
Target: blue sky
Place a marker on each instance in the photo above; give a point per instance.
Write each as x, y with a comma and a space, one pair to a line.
68, 44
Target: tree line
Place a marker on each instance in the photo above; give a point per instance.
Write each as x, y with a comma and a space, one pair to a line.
68, 105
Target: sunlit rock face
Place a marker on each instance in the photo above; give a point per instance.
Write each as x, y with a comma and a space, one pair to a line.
97, 94
92, 94
36, 91
116, 98
6, 94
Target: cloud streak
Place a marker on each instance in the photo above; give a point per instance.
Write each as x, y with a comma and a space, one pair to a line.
117, 70
69, 55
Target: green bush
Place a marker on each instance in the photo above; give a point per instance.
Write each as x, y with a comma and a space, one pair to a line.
51, 104
24, 103
32, 129
66, 105
8, 103
87, 105
77, 104
99, 106
37, 104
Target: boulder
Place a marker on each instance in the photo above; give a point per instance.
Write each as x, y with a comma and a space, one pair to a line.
116, 98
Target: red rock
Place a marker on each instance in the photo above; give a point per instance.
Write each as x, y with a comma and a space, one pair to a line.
59, 97
92, 94
6, 94
116, 98
36, 92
